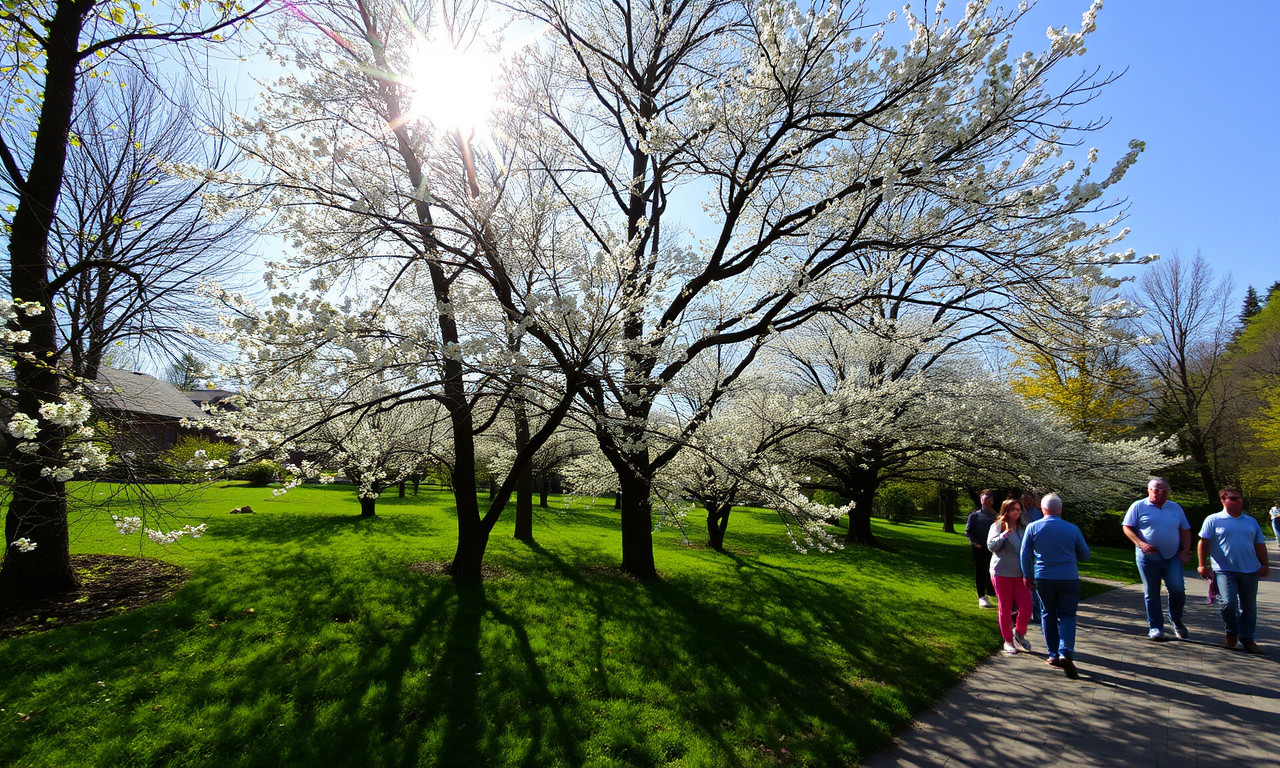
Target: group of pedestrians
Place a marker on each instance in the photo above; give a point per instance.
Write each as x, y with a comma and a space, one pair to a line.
1025, 556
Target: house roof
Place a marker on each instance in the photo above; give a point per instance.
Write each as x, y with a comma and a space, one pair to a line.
139, 393
202, 396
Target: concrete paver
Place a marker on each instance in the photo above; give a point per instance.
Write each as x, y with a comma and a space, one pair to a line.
1140, 703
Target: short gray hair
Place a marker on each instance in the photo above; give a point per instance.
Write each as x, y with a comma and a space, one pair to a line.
1052, 502
1157, 481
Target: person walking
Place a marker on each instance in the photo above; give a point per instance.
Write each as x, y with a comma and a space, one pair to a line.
1237, 550
1012, 594
1030, 514
1274, 512
1051, 549
1161, 537
976, 528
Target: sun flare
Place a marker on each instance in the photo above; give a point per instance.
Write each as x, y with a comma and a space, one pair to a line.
455, 88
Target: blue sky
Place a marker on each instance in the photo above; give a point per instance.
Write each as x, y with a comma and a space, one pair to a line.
1203, 91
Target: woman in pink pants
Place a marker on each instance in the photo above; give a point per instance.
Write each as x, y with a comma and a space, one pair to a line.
1005, 542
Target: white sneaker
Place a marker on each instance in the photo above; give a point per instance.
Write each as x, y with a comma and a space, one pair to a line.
1009, 650
1156, 634
983, 602
1022, 641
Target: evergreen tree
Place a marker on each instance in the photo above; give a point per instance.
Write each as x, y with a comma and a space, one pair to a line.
1252, 305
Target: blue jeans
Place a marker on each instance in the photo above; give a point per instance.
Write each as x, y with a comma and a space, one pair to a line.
1238, 602
1058, 601
1275, 527
1154, 569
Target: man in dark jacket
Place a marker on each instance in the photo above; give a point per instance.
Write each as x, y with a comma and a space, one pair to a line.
976, 529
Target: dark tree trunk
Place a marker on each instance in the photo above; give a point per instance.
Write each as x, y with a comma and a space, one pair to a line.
367, 506
39, 513
717, 522
402, 484
543, 489
637, 526
948, 499
617, 500
524, 478
1200, 455
38, 509
861, 490
416, 479
473, 533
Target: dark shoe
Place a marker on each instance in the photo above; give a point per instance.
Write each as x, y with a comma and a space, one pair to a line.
1053, 661
1181, 631
1069, 667
1251, 647
1231, 641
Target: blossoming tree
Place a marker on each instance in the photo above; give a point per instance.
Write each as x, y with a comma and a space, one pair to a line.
377, 189
901, 409
825, 159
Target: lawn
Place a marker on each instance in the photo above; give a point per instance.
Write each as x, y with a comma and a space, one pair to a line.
303, 638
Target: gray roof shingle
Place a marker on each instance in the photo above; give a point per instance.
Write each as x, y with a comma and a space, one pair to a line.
139, 393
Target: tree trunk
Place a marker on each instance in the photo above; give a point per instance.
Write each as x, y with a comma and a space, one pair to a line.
38, 509
637, 526
524, 480
38, 513
367, 506
717, 522
861, 490
402, 484
544, 485
416, 479
1200, 456
948, 500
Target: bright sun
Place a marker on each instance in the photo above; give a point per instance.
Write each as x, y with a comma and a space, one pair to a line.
455, 88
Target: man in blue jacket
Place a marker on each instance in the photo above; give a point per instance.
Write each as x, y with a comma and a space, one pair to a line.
1051, 547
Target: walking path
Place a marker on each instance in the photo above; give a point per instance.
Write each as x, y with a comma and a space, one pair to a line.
1137, 702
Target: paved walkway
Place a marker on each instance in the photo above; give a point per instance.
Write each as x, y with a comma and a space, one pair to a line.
1137, 702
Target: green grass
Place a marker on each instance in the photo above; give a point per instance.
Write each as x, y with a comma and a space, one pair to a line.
303, 638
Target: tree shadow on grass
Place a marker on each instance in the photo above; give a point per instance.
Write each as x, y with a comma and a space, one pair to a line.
306, 655
322, 528
734, 654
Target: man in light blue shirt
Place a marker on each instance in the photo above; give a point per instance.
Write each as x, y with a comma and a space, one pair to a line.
1051, 547
1161, 537
1234, 544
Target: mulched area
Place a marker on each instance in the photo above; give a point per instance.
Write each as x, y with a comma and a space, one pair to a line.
109, 585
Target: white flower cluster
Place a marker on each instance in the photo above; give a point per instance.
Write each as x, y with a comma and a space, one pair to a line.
71, 412
23, 427
129, 525
23, 545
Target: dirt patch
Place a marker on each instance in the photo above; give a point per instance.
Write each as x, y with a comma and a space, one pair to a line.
615, 572
109, 585
441, 568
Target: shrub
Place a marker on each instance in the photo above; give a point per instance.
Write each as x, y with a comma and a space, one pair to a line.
260, 473
895, 504
189, 457
1101, 528
830, 498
